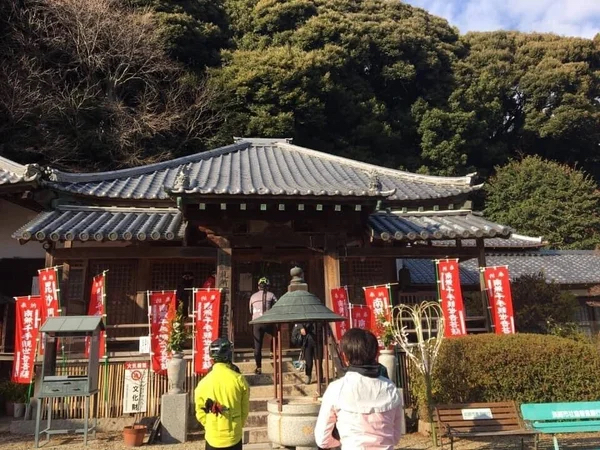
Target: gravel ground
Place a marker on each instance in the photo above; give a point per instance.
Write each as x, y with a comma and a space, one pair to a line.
114, 441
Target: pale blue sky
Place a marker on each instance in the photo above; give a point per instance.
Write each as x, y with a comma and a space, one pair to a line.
564, 17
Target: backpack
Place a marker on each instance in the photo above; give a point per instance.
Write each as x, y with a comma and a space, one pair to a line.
296, 338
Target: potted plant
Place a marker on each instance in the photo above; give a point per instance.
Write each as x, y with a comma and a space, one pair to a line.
15, 397
387, 355
177, 338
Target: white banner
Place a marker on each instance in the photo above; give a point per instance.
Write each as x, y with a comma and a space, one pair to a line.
135, 394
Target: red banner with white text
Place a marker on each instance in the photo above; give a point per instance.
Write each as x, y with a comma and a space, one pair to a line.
451, 297
96, 307
360, 316
28, 311
341, 306
48, 281
497, 281
162, 306
377, 299
207, 308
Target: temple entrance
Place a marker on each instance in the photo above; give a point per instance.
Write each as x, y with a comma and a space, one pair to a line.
245, 283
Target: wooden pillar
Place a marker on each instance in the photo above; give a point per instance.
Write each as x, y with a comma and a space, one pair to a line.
331, 269
484, 299
143, 284
225, 283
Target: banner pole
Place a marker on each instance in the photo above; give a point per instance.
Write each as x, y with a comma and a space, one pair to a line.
194, 312
485, 301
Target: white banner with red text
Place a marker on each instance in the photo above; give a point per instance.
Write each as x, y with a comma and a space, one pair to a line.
207, 318
341, 306
97, 307
448, 276
162, 306
497, 282
135, 390
28, 312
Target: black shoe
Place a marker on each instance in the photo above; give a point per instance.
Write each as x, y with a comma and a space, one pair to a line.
258, 371
308, 379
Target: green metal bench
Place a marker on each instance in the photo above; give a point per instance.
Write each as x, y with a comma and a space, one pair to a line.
570, 417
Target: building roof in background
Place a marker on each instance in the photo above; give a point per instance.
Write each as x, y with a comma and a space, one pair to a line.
79, 223
262, 167
571, 267
442, 225
12, 173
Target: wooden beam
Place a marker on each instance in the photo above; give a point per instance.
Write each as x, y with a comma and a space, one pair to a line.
133, 252
484, 298
225, 283
409, 252
331, 271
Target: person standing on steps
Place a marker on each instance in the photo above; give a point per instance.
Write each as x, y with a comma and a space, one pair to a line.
222, 399
309, 349
260, 302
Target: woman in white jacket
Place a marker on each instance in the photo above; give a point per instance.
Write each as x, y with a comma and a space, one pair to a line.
361, 410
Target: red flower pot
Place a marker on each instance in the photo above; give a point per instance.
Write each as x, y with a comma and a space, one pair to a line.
133, 436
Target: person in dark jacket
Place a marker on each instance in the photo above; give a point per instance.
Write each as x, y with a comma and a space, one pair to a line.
311, 350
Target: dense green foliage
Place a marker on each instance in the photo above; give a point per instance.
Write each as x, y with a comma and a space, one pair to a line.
539, 306
544, 198
374, 80
520, 367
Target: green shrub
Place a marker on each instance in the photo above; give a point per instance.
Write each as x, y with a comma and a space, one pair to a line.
520, 367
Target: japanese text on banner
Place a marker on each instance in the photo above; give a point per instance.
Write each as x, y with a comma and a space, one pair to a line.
162, 306
27, 323
48, 279
497, 281
135, 393
96, 308
339, 299
378, 300
360, 316
451, 297
207, 306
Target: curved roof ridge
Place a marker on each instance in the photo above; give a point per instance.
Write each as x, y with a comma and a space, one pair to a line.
60, 176
367, 167
12, 166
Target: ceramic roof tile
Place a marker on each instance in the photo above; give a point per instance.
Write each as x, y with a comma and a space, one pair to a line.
441, 225
96, 223
261, 167
13, 173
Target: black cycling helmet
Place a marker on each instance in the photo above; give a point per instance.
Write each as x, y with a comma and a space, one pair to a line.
221, 350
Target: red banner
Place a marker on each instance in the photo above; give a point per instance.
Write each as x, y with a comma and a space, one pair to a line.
207, 308
360, 316
96, 308
48, 281
451, 297
497, 281
28, 312
341, 306
161, 306
378, 299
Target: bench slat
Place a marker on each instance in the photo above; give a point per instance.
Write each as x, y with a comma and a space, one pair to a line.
557, 411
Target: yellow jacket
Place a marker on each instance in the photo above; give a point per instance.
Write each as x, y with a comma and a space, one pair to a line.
228, 391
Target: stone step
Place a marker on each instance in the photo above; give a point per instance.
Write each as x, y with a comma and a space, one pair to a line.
247, 367
258, 404
257, 419
269, 378
255, 435
309, 390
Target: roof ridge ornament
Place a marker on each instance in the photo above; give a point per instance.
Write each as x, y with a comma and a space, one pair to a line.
182, 180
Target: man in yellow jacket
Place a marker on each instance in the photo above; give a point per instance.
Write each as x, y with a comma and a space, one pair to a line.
222, 400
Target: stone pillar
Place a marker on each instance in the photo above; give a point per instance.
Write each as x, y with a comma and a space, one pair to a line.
174, 418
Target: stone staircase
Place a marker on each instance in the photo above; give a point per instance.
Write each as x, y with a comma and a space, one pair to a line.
262, 390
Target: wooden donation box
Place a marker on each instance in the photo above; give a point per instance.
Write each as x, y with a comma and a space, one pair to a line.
66, 339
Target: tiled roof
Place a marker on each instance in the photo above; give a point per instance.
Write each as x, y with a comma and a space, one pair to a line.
560, 266
515, 241
433, 225
13, 173
265, 167
87, 223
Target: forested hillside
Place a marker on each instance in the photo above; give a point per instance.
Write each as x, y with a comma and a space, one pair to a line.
103, 84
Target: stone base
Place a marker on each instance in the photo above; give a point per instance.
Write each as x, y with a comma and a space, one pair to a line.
174, 418
104, 425
294, 426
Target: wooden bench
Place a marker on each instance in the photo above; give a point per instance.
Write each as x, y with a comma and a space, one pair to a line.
569, 417
481, 420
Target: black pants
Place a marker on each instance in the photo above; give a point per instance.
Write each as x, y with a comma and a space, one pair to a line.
237, 446
259, 335
310, 355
